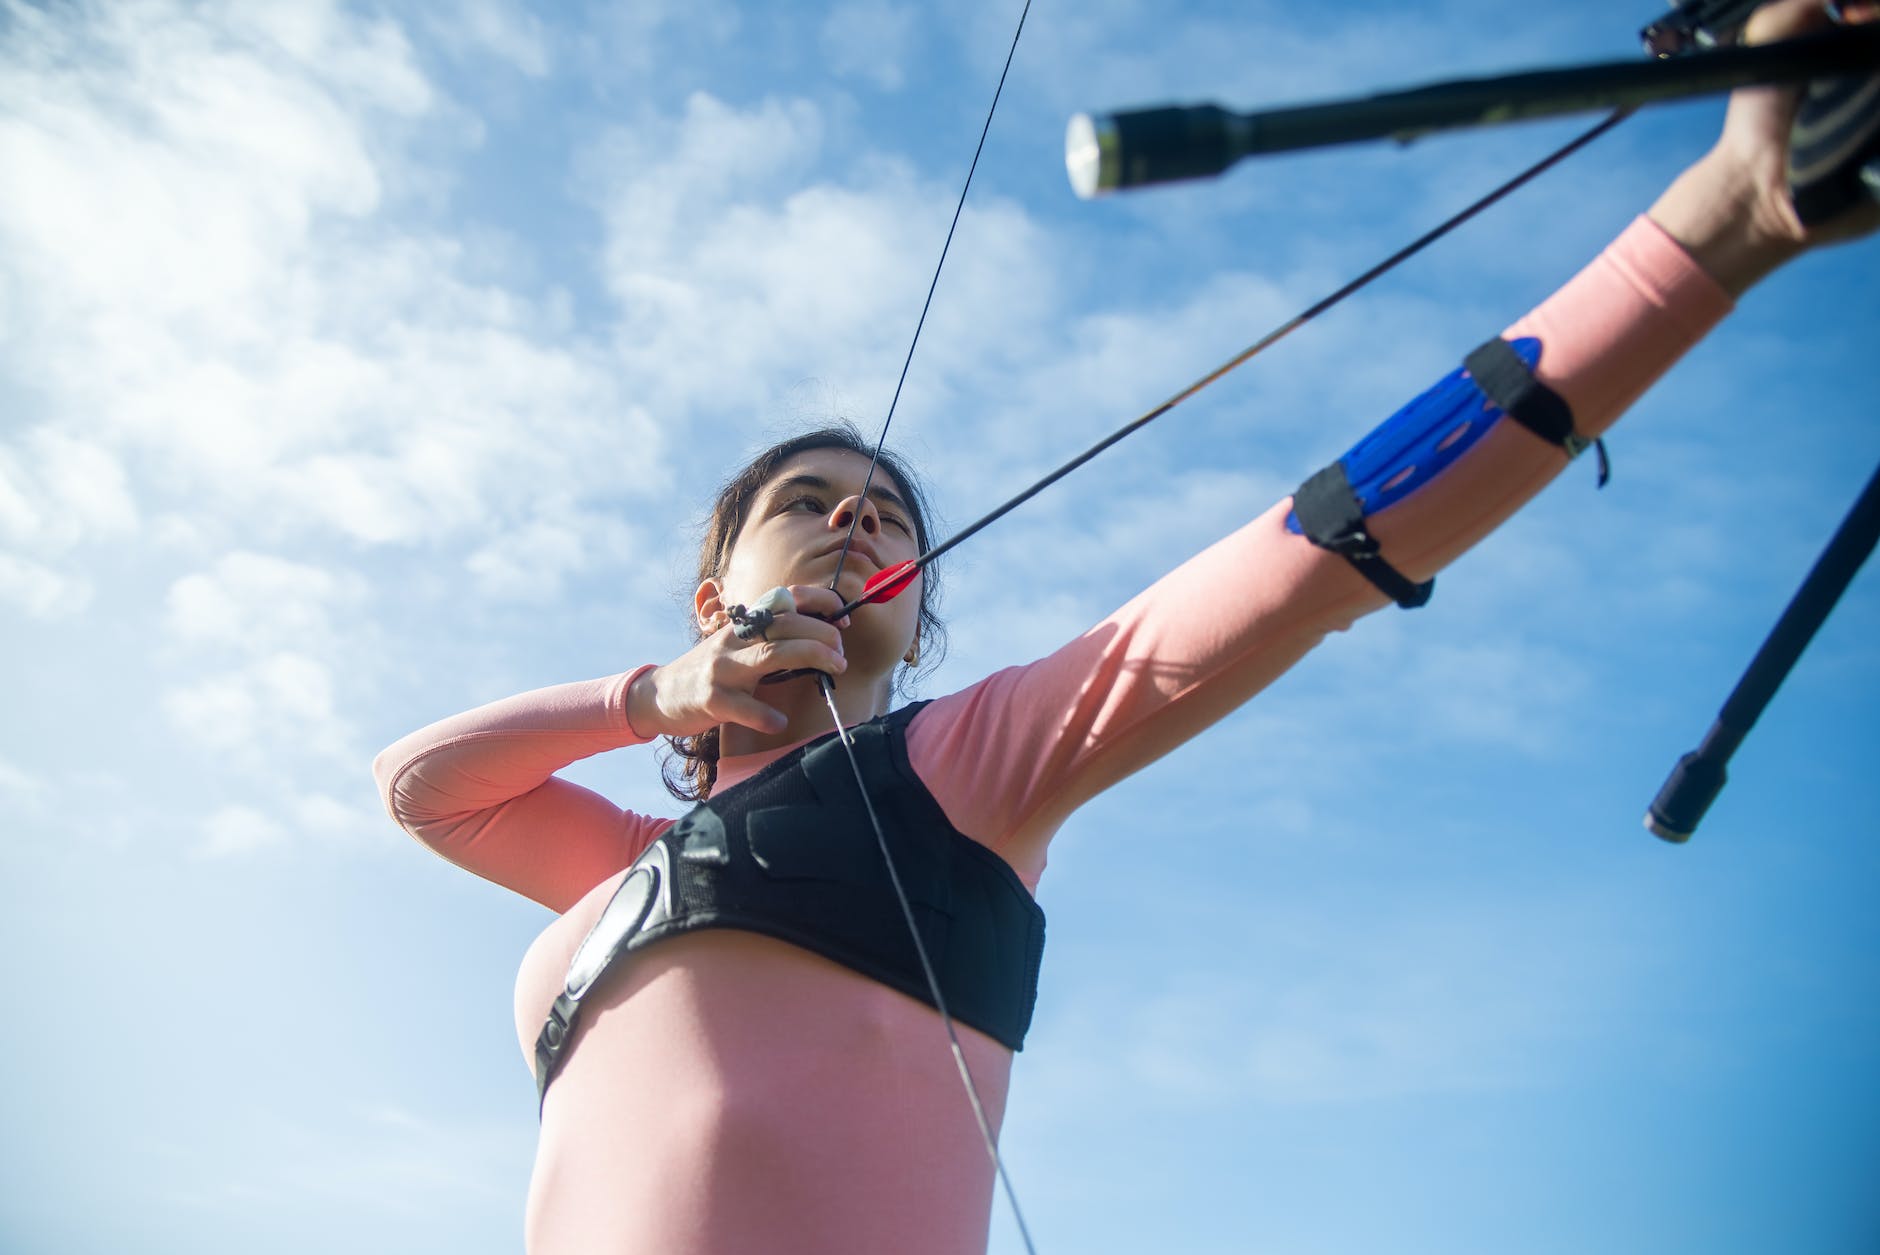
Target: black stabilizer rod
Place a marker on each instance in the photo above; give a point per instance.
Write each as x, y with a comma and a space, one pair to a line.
1108, 152
1700, 775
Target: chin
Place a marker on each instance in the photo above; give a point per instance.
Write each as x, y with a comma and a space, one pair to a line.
871, 653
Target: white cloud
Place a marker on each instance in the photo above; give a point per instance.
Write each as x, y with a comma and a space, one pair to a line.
20, 786
272, 632
57, 489
1506, 693
39, 590
235, 831
227, 134
280, 702
1411, 1003
732, 258
256, 602
381, 1160
270, 342
239, 830
632, 41
326, 819
504, 31
528, 562
870, 40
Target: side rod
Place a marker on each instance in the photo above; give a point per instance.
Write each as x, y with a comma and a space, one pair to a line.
1699, 776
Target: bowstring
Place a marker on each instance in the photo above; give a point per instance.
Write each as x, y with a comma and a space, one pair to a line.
874, 458
828, 687
926, 967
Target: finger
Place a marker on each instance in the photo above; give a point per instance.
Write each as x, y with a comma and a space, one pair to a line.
818, 602
761, 658
788, 626
747, 712
803, 627
1783, 19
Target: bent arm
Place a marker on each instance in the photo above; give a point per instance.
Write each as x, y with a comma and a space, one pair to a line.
1012, 756
479, 789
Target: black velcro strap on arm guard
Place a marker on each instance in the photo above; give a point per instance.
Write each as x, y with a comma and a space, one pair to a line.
1509, 383
1331, 517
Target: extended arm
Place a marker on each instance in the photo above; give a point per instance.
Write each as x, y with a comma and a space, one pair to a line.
1011, 757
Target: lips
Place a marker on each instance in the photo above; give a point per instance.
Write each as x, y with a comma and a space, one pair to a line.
859, 548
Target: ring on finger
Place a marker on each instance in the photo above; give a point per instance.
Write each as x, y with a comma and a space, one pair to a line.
750, 625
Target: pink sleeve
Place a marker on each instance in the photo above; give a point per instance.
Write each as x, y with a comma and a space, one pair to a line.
479, 789
1010, 757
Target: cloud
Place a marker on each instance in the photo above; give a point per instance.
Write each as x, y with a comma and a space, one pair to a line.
238, 830
267, 628
240, 326
57, 490
530, 562
20, 786
276, 343
39, 590
233, 831
870, 40
739, 270
503, 31
229, 130
632, 42
280, 702
377, 1160
1409, 1004
325, 819
257, 602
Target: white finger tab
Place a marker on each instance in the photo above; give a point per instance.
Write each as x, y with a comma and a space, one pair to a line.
777, 601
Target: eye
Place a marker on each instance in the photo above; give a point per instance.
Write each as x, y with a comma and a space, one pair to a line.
805, 502
895, 520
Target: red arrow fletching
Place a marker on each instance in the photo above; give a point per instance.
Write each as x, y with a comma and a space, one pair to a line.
890, 582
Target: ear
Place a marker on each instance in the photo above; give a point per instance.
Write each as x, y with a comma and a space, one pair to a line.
707, 605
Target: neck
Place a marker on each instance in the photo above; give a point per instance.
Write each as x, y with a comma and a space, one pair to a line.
857, 699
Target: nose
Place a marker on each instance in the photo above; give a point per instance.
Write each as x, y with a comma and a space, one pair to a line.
844, 515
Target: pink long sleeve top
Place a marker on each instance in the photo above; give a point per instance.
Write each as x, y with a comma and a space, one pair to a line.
728, 1093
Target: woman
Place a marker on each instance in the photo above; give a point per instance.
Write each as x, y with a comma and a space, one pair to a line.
774, 1079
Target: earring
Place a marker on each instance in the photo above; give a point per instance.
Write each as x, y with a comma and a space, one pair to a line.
912, 656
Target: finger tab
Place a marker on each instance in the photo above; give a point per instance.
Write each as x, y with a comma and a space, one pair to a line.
777, 601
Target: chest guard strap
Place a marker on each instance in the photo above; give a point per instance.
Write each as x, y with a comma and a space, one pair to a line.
790, 854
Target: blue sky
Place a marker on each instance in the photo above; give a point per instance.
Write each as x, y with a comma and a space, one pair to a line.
361, 364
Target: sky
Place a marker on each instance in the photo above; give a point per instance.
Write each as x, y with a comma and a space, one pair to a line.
363, 363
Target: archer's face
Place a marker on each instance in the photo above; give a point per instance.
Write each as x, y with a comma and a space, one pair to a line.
794, 532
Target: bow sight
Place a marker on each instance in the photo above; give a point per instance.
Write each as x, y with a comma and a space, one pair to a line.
1834, 163
1835, 157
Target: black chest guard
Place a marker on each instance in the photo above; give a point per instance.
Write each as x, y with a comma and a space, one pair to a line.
790, 853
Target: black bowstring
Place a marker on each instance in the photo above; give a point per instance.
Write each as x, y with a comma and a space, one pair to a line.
828, 687
874, 459
926, 967
1262, 344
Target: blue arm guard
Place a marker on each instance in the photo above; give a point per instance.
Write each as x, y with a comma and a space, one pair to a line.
1416, 444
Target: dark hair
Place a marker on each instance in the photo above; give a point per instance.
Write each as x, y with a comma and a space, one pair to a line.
692, 767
